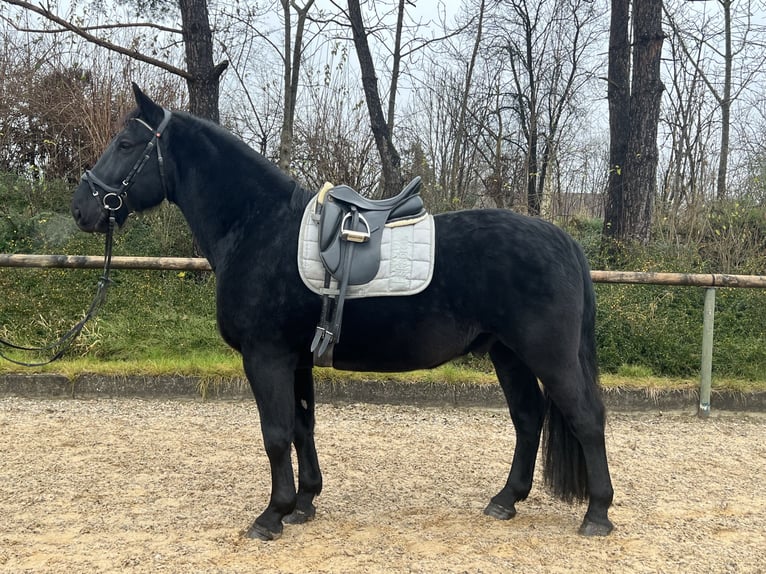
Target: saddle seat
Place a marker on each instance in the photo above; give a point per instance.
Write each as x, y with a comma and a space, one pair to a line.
350, 233
399, 205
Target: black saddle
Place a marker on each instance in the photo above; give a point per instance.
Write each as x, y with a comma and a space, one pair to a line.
348, 220
350, 233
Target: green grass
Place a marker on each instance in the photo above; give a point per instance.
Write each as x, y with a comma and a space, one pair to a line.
634, 371
212, 367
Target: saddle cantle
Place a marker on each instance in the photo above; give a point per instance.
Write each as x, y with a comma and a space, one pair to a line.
350, 230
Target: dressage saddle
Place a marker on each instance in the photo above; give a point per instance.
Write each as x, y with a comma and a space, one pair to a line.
350, 232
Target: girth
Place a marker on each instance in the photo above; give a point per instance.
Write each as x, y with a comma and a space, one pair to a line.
350, 232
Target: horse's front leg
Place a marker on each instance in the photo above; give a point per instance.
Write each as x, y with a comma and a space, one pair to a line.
309, 474
270, 372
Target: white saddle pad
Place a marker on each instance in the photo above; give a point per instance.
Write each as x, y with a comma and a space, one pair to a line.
406, 258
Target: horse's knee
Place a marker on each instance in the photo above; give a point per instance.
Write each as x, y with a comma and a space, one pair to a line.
276, 446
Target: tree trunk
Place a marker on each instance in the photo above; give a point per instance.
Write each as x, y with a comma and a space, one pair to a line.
534, 184
456, 171
389, 156
286, 133
203, 83
632, 181
725, 103
645, 100
198, 41
618, 96
395, 67
291, 75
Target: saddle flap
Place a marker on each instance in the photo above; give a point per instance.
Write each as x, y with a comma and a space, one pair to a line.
366, 261
329, 224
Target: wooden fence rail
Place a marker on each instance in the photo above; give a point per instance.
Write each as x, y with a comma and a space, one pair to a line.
97, 262
708, 280
199, 264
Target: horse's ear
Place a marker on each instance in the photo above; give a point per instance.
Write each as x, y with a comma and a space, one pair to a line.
152, 112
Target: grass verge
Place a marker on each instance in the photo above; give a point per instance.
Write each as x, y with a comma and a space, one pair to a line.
216, 367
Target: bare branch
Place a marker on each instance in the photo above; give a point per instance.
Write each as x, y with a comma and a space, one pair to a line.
694, 61
93, 28
82, 32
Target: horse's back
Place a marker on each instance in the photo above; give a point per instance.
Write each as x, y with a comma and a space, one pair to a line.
503, 252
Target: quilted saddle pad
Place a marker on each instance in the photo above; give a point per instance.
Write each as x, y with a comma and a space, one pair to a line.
406, 258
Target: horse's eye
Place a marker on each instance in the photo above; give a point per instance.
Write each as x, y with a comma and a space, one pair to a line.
125, 144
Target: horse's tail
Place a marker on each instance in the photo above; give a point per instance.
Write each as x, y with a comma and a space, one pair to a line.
565, 471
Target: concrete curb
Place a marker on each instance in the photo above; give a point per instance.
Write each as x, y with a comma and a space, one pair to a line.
89, 386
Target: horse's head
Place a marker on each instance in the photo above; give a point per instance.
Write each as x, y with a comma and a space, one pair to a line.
130, 175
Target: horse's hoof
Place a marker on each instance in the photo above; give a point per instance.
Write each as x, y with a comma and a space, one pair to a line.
500, 512
259, 532
591, 528
300, 516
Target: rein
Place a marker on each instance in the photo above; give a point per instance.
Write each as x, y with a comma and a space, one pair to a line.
67, 339
113, 200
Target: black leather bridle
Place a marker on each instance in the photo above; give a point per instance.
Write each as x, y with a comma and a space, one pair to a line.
114, 197
112, 201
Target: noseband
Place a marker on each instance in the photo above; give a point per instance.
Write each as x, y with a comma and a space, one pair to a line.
114, 197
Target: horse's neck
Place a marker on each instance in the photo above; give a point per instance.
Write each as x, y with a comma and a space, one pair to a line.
231, 199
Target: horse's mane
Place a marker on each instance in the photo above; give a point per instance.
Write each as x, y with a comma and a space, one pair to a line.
299, 196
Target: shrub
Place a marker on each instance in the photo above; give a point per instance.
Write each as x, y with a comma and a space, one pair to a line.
660, 328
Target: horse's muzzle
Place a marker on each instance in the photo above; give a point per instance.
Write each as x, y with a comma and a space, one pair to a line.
90, 224
89, 212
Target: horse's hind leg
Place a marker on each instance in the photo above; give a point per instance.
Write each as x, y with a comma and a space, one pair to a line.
527, 406
309, 475
576, 471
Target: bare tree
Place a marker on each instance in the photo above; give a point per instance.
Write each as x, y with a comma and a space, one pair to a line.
546, 46
689, 121
395, 68
429, 129
634, 108
456, 163
293, 54
701, 37
329, 146
389, 156
204, 76
270, 102
57, 115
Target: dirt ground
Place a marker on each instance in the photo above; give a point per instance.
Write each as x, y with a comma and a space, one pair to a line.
169, 486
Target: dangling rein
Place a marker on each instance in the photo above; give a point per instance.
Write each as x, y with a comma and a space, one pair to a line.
60, 347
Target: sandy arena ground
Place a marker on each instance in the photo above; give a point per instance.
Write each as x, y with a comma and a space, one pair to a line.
169, 486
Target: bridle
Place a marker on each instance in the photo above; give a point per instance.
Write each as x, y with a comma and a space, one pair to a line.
114, 197
112, 201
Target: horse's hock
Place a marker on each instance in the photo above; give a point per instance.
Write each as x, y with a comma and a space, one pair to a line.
115, 484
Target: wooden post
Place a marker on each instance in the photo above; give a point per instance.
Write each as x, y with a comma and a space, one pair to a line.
706, 375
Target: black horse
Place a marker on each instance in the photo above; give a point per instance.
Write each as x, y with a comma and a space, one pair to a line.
516, 287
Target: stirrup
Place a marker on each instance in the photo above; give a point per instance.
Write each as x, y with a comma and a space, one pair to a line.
351, 234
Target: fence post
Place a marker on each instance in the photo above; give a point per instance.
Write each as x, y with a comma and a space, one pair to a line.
706, 374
